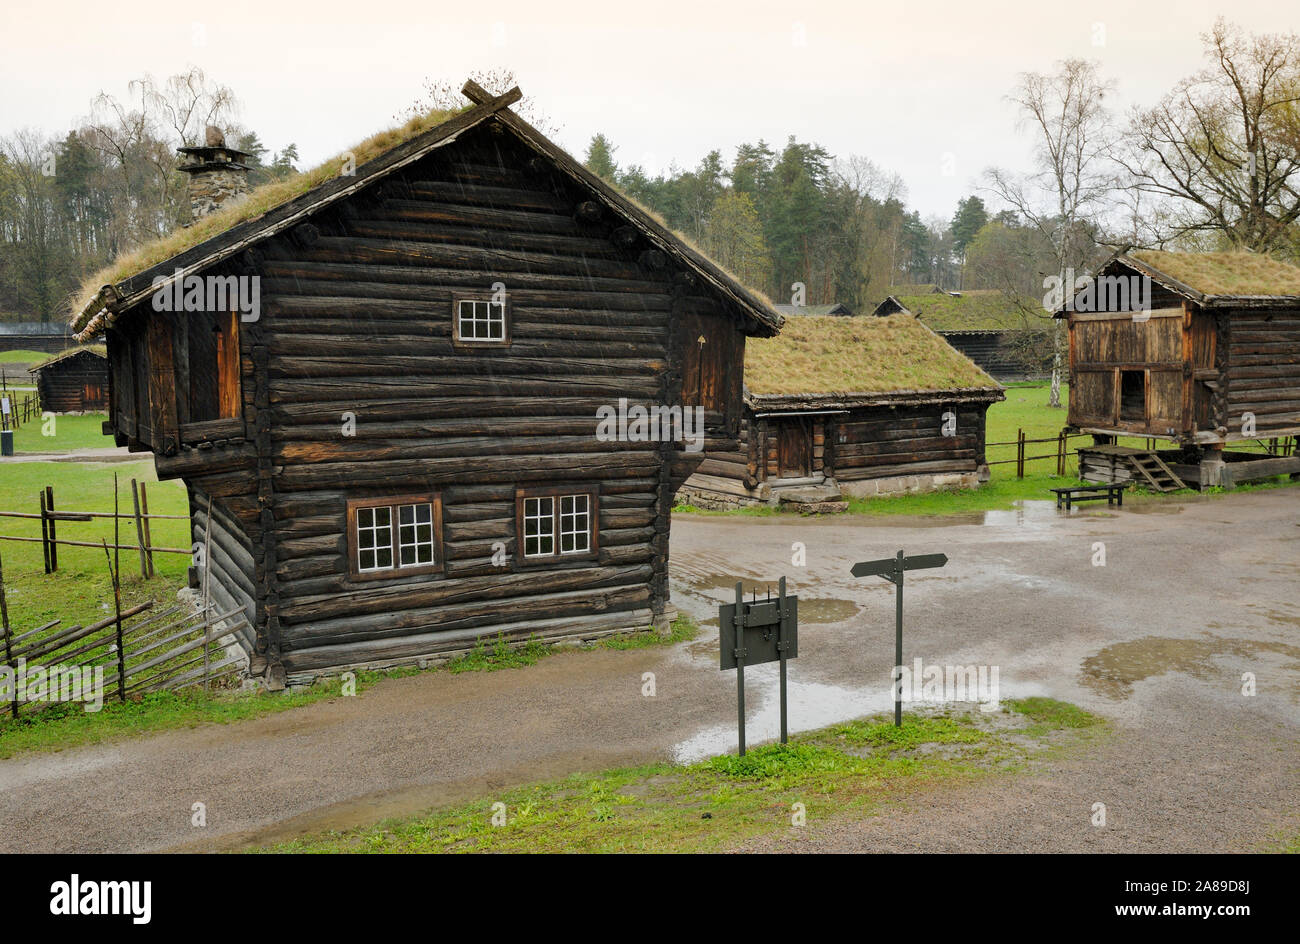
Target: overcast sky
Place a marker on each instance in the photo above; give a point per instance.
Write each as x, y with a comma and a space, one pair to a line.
918, 86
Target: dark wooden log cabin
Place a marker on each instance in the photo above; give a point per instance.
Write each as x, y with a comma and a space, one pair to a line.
984, 324
75, 381
400, 451
1200, 350
851, 406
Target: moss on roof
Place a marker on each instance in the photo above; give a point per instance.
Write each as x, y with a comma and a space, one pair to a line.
260, 200
912, 288
1225, 273
836, 355
970, 311
99, 350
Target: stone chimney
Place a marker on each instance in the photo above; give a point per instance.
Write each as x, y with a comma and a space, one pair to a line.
217, 174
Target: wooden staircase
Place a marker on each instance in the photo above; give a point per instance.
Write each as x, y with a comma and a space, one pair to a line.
1150, 468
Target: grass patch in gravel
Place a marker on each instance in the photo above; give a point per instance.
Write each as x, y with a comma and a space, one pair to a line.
848, 769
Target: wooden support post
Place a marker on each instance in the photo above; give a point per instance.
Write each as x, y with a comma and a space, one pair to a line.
54, 536
1020, 454
139, 530
148, 537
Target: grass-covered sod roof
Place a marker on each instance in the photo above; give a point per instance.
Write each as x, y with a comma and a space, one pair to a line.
96, 350
258, 201
850, 356
981, 310
1224, 273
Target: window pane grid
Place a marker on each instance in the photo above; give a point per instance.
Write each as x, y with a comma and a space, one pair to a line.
575, 524
385, 544
481, 320
539, 527
374, 538
415, 535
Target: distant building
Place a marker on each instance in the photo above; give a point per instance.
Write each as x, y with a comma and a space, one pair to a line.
851, 406
985, 325
837, 309
47, 337
1205, 353
75, 381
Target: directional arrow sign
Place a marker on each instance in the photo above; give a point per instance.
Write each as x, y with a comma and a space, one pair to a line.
892, 569
888, 566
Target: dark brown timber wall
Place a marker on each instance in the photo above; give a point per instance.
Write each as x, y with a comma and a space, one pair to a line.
356, 328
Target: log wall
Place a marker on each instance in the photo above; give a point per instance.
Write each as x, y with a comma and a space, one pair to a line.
353, 387
74, 384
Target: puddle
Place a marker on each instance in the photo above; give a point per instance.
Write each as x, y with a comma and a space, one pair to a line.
817, 610
811, 705
1116, 669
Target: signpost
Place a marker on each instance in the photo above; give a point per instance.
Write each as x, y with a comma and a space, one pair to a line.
757, 632
892, 569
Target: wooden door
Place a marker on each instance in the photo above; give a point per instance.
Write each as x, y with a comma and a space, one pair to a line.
794, 447
228, 406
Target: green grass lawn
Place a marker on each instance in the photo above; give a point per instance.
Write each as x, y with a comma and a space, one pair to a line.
854, 768
22, 357
63, 433
81, 591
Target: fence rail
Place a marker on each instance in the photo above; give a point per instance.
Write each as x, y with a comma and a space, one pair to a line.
50, 518
1276, 446
14, 413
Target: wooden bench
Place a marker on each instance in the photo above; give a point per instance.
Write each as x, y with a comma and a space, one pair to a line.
1113, 492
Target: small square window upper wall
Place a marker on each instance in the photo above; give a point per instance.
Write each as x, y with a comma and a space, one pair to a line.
480, 321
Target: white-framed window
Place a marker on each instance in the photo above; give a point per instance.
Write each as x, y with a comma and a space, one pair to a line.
481, 321
374, 538
575, 524
394, 537
539, 527
556, 523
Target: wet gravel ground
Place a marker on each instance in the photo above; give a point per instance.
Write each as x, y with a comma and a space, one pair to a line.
1192, 595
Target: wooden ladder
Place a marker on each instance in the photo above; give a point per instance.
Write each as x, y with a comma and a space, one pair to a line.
1153, 470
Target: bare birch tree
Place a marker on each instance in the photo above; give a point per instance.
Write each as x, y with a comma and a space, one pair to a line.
1068, 190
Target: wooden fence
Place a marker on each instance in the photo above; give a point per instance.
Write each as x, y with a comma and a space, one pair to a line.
1061, 441
139, 650
51, 518
15, 412
1276, 446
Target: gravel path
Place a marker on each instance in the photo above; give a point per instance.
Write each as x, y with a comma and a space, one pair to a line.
1193, 594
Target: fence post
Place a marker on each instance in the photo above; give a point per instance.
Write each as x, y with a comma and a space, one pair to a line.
148, 537
9, 654
1060, 452
45, 532
139, 530
54, 535
1020, 453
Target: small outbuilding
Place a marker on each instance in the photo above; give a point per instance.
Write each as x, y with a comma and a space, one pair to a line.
986, 325
856, 407
75, 381
1199, 350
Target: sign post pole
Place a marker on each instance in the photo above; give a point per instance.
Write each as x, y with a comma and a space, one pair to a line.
780, 648
898, 638
892, 569
740, 661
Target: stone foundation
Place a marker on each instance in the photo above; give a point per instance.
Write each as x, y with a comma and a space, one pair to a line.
906, 484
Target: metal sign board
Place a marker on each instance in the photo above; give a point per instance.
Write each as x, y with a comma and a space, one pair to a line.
762, 622
753, 633
888, 566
